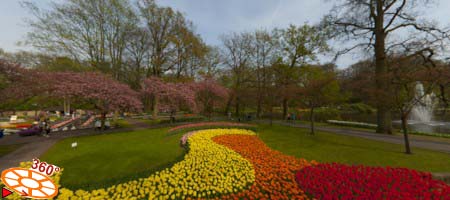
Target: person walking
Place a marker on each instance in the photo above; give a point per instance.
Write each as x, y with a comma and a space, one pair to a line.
47, 127
98, 125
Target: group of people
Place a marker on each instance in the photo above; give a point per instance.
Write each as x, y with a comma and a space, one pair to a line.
43, 124
98, 125
291, 117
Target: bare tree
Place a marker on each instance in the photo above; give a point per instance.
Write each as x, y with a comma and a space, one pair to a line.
374, 24
137, 48
238, 50
163, 25
265, 45
95, 31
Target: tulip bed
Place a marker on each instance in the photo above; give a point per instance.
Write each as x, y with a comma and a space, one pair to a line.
209, 170
275, 172
338, 181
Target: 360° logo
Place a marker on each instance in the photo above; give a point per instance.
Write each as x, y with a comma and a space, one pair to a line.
32, 183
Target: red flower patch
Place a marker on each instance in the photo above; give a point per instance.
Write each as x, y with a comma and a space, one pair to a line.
338, 181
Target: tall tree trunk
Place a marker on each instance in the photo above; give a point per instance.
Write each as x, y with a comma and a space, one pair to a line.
228, 106
258, 108
237, 106
65, 106
444, 98
311, 119
285, 108
271, 115
384, 120
103, 120
155, 107
68, 106
405, 133
148, 106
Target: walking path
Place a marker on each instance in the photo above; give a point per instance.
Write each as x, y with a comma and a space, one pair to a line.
396, 139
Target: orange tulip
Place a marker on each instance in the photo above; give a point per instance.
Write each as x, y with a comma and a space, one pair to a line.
275, 172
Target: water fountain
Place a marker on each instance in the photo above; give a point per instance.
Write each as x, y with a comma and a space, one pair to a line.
421, 117
423, 110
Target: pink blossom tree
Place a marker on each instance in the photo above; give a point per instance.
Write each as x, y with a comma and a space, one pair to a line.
103, 92
169, 96
99, 90
209, 95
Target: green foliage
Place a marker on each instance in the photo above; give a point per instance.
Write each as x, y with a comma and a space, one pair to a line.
352, 124
321, 114
443, 135
361, 108
63, 64
182, 119
318, 87
301, 45
121, 123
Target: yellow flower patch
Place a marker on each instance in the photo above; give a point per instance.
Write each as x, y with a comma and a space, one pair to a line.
208, 170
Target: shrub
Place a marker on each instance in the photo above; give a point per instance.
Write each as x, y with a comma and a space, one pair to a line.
357, 108
444, 135
184, 119
321, 114
352, 124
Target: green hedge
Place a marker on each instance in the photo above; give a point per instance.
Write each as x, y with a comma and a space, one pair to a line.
320, 114
357, 108
352, 124
184, 119
443, 135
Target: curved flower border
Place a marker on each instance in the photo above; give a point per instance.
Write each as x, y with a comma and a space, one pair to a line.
209, 170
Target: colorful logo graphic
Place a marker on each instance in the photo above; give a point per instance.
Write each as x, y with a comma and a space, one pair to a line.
32, 183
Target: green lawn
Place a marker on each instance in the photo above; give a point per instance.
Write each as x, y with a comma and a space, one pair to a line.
108, 159
328, 147
8, 149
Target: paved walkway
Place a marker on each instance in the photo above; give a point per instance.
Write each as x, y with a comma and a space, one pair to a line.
396, 139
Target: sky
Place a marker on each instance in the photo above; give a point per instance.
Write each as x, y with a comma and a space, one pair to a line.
213, 18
